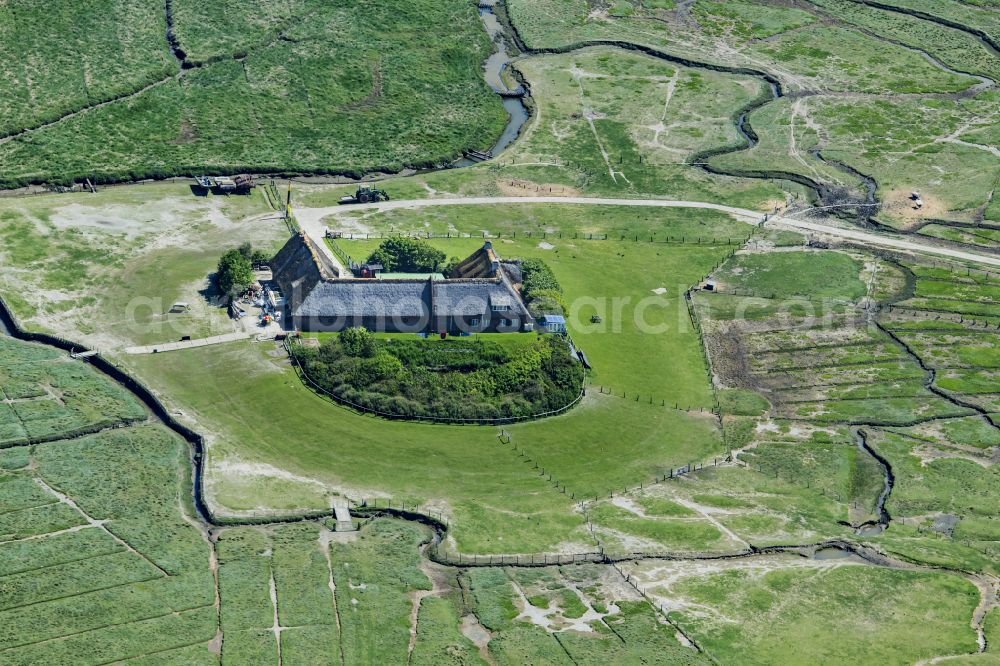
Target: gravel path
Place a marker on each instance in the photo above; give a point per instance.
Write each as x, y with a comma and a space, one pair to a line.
188, 344
310, 220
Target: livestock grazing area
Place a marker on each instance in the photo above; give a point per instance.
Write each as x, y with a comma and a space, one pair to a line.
798, 466
773, 229
300, 85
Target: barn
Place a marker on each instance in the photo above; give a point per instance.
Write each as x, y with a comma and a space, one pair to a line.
481, 297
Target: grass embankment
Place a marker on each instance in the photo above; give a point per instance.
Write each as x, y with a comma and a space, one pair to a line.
496, 501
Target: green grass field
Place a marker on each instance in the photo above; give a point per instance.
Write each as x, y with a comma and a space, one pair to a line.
300, 86
881, 614
596, 275
779, 275
44, 395
727, 436
643, 314
244, 398
618, 123
812, 52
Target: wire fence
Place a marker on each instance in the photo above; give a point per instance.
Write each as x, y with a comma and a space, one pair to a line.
650, 400
342, 254
547, 235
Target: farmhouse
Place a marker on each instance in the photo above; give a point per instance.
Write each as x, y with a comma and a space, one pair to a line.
480, 296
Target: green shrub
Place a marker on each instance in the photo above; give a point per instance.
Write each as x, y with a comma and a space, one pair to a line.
382, 366
407, 255
547, 301
541, 289
536, 276
356, 342
453, 379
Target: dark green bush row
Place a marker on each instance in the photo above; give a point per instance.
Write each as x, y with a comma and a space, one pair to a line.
407, 255
537, 276
541, 289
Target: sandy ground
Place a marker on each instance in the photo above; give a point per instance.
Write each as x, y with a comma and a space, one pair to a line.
899, 206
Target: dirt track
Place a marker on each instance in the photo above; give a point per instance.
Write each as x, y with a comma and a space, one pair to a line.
311, 219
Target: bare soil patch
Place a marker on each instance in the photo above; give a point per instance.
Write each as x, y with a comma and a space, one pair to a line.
899, 205
516, 187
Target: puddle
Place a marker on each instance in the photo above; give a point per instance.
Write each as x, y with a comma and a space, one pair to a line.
834, 553
870, 530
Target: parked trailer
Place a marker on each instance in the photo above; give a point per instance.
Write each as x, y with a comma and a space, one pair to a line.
225, 184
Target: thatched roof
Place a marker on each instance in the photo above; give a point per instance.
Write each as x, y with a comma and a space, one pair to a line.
475, 297
299, 266
313, 288
513, 271
367, 298
483, 263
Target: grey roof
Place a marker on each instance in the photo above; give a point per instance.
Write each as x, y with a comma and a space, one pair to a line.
361, 298
314, 289
474, 297
513, 270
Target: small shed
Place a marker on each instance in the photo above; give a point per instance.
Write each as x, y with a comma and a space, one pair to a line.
370, 270
553, 323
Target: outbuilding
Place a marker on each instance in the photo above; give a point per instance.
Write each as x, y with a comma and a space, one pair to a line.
553, 323
480, 299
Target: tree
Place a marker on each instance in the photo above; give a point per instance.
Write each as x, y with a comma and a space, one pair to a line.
407, 255
235, 273
382, 366
452, 265
259, 258
357, 341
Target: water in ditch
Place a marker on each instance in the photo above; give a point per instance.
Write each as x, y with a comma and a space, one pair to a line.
834, 553
493, 74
